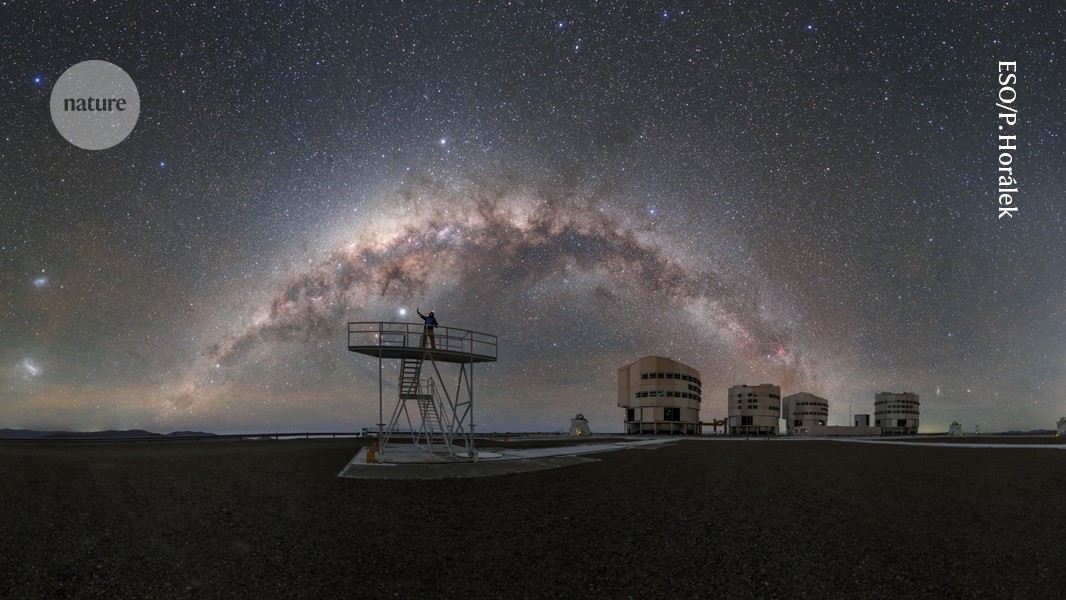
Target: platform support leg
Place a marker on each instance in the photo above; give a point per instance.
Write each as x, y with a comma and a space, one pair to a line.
381, 410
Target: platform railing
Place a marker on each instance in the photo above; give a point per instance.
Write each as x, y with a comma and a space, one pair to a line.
389, 334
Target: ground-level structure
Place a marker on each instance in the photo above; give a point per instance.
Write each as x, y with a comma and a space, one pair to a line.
434, 417
660, 395
579, 425
838, 430
1061, 427
896, 413
803, 411
754, 409
955, 428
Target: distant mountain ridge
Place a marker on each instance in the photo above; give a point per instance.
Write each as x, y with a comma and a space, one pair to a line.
30, 434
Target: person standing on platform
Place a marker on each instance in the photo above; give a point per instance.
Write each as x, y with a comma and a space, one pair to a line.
427, 332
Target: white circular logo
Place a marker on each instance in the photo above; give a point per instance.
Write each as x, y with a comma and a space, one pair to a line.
95, 105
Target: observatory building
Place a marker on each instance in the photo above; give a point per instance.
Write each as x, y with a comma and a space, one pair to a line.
955, 428
896, 414
660, 395
804, 411
754, 409
579, 425
808, 415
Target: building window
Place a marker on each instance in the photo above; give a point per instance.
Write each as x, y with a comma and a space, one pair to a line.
671, 414
629, 414
745, 420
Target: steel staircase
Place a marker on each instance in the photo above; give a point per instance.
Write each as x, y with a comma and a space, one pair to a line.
410, 371
423, 391
427, 410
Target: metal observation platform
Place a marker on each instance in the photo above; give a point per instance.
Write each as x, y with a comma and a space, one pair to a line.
445, 420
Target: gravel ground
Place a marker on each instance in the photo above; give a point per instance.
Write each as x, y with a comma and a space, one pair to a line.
697, 519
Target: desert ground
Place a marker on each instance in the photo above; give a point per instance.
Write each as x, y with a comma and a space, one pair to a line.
695, 519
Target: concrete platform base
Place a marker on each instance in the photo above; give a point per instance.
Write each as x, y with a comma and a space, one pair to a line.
414, 462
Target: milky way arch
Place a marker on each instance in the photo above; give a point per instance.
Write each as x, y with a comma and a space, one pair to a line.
510, 239
494, 244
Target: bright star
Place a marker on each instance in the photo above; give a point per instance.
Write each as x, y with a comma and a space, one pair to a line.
443, 141
403, 312
37, 79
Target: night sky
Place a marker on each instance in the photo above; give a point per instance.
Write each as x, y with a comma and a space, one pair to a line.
800, 193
